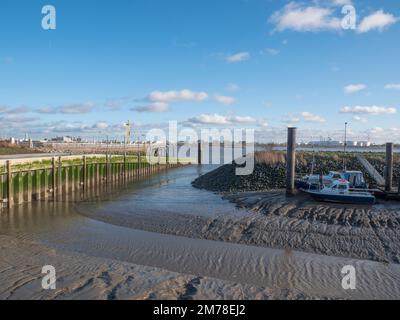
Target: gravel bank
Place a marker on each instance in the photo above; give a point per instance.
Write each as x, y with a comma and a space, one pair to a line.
270, 174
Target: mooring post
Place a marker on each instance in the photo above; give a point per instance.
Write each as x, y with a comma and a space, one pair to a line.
398, 190
29, 185
141, 165
389, 167
104, 173
66, 183
9, 185
291, 161
53, 177
199, 159
125, 170
37, 187
84, 173
46, 183
59, 177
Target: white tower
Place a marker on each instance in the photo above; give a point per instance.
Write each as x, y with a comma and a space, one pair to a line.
128, 127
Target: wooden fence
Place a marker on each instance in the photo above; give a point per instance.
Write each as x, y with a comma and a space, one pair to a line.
47, 183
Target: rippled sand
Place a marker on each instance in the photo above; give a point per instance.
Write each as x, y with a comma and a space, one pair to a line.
154, 241
86, 277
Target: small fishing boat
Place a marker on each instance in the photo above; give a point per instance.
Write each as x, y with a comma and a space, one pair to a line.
355, 178
339, 192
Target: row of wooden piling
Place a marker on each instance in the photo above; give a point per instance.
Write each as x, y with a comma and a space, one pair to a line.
19, 186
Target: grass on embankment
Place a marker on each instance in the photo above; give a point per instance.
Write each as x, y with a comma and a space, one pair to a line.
32, 164
16, 150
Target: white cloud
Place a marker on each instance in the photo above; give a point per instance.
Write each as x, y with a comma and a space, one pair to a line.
101, 125
232, 87
393, 86
117, 103
377, 130
238, 57
241, 119
373, 110
289, 120
352, 88
159, 101
360, 119
209, 119
77, 108
379, 20
225, 100
8, 119
272, 51
153, 107
340, 2
310, 117
177, 96
9, 110
263, 123
300, 18
218, 119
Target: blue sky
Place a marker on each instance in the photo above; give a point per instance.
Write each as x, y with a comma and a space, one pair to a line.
204, 63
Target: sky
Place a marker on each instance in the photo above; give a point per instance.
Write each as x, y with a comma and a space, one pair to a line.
262, 64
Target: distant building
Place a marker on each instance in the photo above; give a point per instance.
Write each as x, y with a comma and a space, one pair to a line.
65, 139
326, 143
337, 143
364, 143
351, 143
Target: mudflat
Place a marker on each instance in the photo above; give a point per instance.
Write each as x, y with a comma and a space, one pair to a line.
163, 238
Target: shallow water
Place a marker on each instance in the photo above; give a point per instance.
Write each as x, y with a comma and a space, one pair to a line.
171, 192
60, 225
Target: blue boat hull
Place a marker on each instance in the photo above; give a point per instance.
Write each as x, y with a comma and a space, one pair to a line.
348, 199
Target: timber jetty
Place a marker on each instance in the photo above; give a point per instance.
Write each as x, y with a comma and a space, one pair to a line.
49, 180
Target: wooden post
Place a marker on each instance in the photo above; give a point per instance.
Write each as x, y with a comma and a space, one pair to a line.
73, 182
29, 186
10, 199
66, 185
53, 177
199, 159
125, 169
15, 187
45, 176
398, 190
59, 177
139, 166
106, 168
37, 186
84, 173
291, 161
97, 179
389, 167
